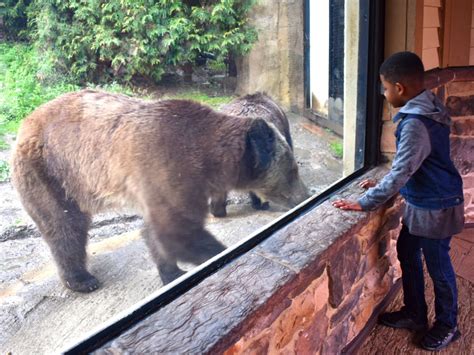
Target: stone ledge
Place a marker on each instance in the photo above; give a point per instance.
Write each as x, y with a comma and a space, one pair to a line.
307, 277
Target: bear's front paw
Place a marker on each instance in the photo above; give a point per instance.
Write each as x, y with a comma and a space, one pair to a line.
169, 273
81, 282
218, 209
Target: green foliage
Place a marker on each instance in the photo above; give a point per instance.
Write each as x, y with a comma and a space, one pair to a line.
20, 89
213, 101
337, 149
14, 14
98, 40
4, 171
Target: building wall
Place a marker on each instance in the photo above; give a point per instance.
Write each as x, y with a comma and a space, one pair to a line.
276, 62
471, 47
431, 33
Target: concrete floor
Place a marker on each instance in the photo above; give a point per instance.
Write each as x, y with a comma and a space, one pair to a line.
38, 315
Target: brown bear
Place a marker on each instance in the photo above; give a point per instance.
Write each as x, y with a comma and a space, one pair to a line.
90, 151
263, 106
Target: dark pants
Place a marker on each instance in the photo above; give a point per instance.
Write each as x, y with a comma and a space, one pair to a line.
441, 271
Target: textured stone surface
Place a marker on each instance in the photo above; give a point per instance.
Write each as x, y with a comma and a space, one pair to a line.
276, 62
460, 88
341, 313
463, 126
462, 142
343, 271
197, 321
460, 105
387, 143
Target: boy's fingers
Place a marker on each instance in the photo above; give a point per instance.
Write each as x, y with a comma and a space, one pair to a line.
341, 204
362, 183
347, 205
338, 203
367, 183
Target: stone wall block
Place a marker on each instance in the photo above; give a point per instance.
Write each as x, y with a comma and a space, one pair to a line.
368, 234
468, 181
380, 224
336, 339
460, 105
462, 151
342, 313
257, 345
343, 271
392, 215
460, 88
463, 126
302, 311
368, 261
293, 320
387, 143
369, 299
311, 339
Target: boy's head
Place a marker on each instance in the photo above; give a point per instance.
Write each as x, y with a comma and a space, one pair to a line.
402, 77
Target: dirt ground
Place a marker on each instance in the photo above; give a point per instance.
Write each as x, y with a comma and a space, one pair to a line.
38, 315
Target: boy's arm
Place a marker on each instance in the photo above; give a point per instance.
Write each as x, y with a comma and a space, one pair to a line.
413, 148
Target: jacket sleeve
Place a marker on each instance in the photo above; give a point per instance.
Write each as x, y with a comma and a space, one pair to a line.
414, 147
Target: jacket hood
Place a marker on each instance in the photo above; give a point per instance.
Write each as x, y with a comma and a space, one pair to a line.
428, 105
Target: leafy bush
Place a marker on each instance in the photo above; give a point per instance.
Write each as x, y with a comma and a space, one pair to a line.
337, 149
20, 90
14, 15
97, 39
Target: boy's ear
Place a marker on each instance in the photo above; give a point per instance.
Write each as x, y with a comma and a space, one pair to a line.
400, 88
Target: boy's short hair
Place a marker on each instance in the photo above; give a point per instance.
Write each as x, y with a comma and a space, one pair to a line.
402, 67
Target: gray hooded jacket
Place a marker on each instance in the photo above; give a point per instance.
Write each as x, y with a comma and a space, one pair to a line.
413, 148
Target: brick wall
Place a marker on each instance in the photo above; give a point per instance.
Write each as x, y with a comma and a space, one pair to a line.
459, 96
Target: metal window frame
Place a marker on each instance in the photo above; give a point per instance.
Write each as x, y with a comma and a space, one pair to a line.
369, 125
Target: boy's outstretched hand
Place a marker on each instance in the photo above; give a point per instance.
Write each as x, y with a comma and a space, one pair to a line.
353, 205
367, 183
347, 205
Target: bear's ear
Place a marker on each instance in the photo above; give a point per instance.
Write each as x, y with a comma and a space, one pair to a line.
260, 147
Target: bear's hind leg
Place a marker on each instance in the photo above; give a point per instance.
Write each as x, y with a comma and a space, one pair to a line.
67, 240
62, 224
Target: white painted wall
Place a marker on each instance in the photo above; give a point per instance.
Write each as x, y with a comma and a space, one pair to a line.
319, 55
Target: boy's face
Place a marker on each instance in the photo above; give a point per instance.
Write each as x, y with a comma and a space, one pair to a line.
393, 92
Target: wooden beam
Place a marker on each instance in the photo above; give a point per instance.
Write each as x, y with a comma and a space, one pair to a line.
457, 33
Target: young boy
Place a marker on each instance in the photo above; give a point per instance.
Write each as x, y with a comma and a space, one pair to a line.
424, 174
